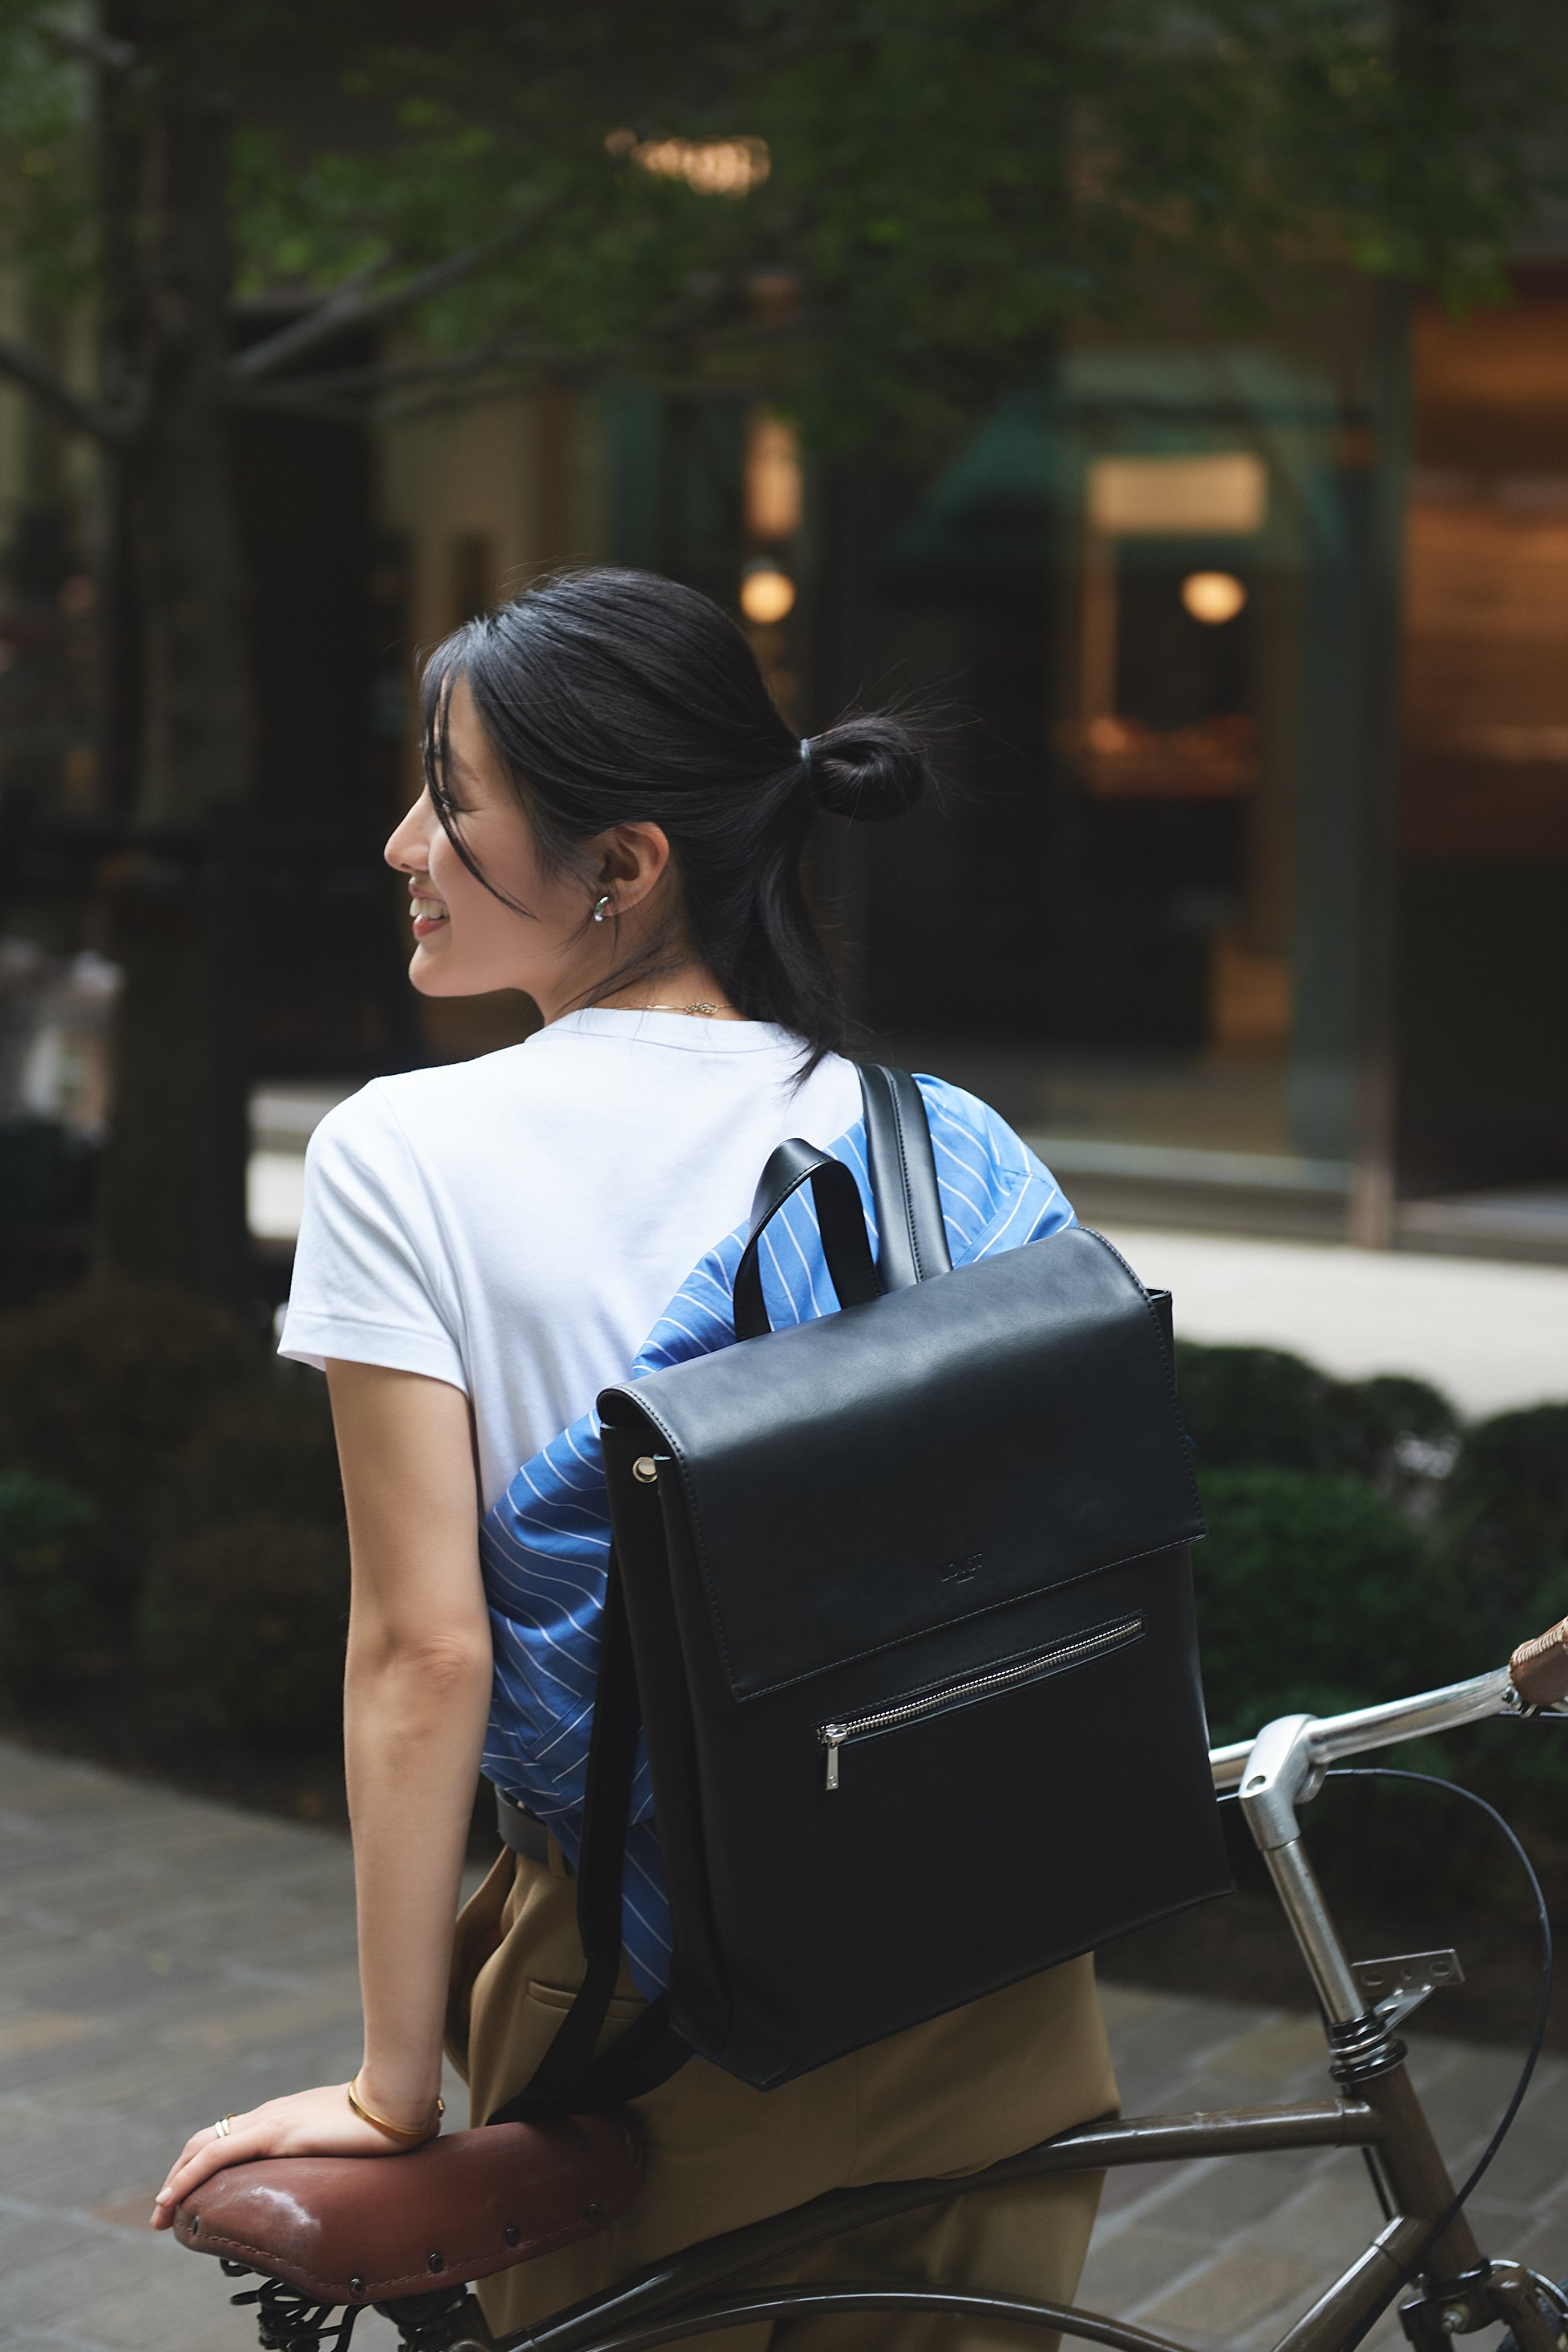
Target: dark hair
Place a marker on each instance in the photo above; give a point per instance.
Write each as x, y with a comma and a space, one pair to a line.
618, 698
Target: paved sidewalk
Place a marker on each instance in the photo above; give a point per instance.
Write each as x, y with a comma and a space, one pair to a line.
1230, 2253
162, 1959
1491, 1336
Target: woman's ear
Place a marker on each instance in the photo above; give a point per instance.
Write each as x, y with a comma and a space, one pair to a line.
633, 862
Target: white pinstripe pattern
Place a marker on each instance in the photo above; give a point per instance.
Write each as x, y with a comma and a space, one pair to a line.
542, 1546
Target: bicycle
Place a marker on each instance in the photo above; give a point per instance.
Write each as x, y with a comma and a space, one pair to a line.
410, 2238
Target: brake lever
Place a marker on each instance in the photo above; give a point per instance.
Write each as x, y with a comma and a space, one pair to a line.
1521, 1711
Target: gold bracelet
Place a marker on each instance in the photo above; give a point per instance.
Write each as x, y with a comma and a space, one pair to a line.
393, 2131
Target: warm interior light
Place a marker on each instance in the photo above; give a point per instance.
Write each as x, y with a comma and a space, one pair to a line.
767, 594
711, 167
773, 479
1213, 596
1226, 491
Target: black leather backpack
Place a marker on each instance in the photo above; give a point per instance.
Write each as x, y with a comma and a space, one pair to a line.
903, 1599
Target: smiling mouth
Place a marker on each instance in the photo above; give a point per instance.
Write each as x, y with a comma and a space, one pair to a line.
428, 914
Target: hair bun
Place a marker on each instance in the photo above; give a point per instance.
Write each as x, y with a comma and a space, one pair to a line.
867, 767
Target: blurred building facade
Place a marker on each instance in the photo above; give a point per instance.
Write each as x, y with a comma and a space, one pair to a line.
1248, 894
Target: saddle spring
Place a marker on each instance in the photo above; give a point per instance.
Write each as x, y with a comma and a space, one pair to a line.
287, 2321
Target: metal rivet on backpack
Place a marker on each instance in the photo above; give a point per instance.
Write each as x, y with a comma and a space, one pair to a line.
511, 2233
435, 2263
194, 2223
595, 2213
356, 2286
645, 1468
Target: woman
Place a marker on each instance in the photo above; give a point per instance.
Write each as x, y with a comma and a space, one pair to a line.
612, 821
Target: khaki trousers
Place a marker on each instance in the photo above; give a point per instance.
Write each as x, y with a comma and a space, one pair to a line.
947, 2097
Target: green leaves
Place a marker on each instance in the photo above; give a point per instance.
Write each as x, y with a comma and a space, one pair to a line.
949, 184
1506, 1511
1362, 1545
45, 225
48, 1542
952, 182
1316, 1594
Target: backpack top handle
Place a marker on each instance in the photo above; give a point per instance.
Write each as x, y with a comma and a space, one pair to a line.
839, 1216
911, 1231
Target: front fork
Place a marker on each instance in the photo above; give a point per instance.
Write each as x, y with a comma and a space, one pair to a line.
1460, 2289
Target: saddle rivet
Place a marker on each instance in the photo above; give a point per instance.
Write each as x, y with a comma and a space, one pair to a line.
511, 2233
435, 2263
595, 2213
646, 1469
356, 2286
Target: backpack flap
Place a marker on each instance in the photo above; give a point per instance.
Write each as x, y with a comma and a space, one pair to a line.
953, 1448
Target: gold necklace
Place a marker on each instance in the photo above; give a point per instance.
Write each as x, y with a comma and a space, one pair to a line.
700, 1009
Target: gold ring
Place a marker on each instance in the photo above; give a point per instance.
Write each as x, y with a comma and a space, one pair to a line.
222, 2127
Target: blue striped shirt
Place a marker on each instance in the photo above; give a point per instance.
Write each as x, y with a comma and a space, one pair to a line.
543, 1544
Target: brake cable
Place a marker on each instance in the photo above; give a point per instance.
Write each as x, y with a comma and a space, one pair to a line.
1453, 1788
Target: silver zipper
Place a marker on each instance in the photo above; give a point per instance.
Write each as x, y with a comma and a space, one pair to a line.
857, 1726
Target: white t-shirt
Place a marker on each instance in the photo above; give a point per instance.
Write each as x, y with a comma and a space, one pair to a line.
516, 1225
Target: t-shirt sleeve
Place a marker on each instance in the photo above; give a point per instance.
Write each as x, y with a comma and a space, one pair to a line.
368, 1287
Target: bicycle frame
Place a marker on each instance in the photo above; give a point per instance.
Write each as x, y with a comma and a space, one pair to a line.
1456, 2289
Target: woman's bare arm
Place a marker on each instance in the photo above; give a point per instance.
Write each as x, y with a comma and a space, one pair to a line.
417, 1696
416, 1700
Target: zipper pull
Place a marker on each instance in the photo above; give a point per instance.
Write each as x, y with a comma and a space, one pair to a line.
832, 1735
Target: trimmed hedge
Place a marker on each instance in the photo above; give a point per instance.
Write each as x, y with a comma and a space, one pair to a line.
240, 1630
172, 1542
1258, 1408
1362, 1543
1505, 1518
268, 1451
50, 1574
1317, 1593
102, 1387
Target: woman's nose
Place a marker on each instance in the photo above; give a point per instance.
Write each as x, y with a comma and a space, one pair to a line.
408, 849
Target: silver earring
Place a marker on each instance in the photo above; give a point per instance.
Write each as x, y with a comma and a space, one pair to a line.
601, 908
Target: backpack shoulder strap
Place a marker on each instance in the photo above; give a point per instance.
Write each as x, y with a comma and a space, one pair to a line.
912, 1237
569, 2080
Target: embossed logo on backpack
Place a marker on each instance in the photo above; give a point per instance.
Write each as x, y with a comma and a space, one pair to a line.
962, 1572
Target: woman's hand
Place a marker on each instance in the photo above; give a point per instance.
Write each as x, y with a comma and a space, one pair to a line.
307, 2123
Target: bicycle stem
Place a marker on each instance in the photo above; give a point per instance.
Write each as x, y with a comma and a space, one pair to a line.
1284, 1767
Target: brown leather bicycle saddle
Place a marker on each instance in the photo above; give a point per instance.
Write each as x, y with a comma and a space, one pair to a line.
366, 2229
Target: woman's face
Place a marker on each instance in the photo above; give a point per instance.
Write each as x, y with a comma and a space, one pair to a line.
467, 940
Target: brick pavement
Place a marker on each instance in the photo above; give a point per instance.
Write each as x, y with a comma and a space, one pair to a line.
162, 1959
1228, 2253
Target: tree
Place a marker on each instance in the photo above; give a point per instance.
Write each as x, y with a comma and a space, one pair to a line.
921, 193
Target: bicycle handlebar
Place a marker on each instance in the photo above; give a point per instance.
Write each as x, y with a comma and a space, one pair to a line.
1536, 1677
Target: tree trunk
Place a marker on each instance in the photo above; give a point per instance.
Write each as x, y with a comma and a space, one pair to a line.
174, 1195
121, 337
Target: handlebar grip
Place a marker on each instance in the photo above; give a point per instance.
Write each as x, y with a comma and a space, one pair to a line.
1539, 1668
